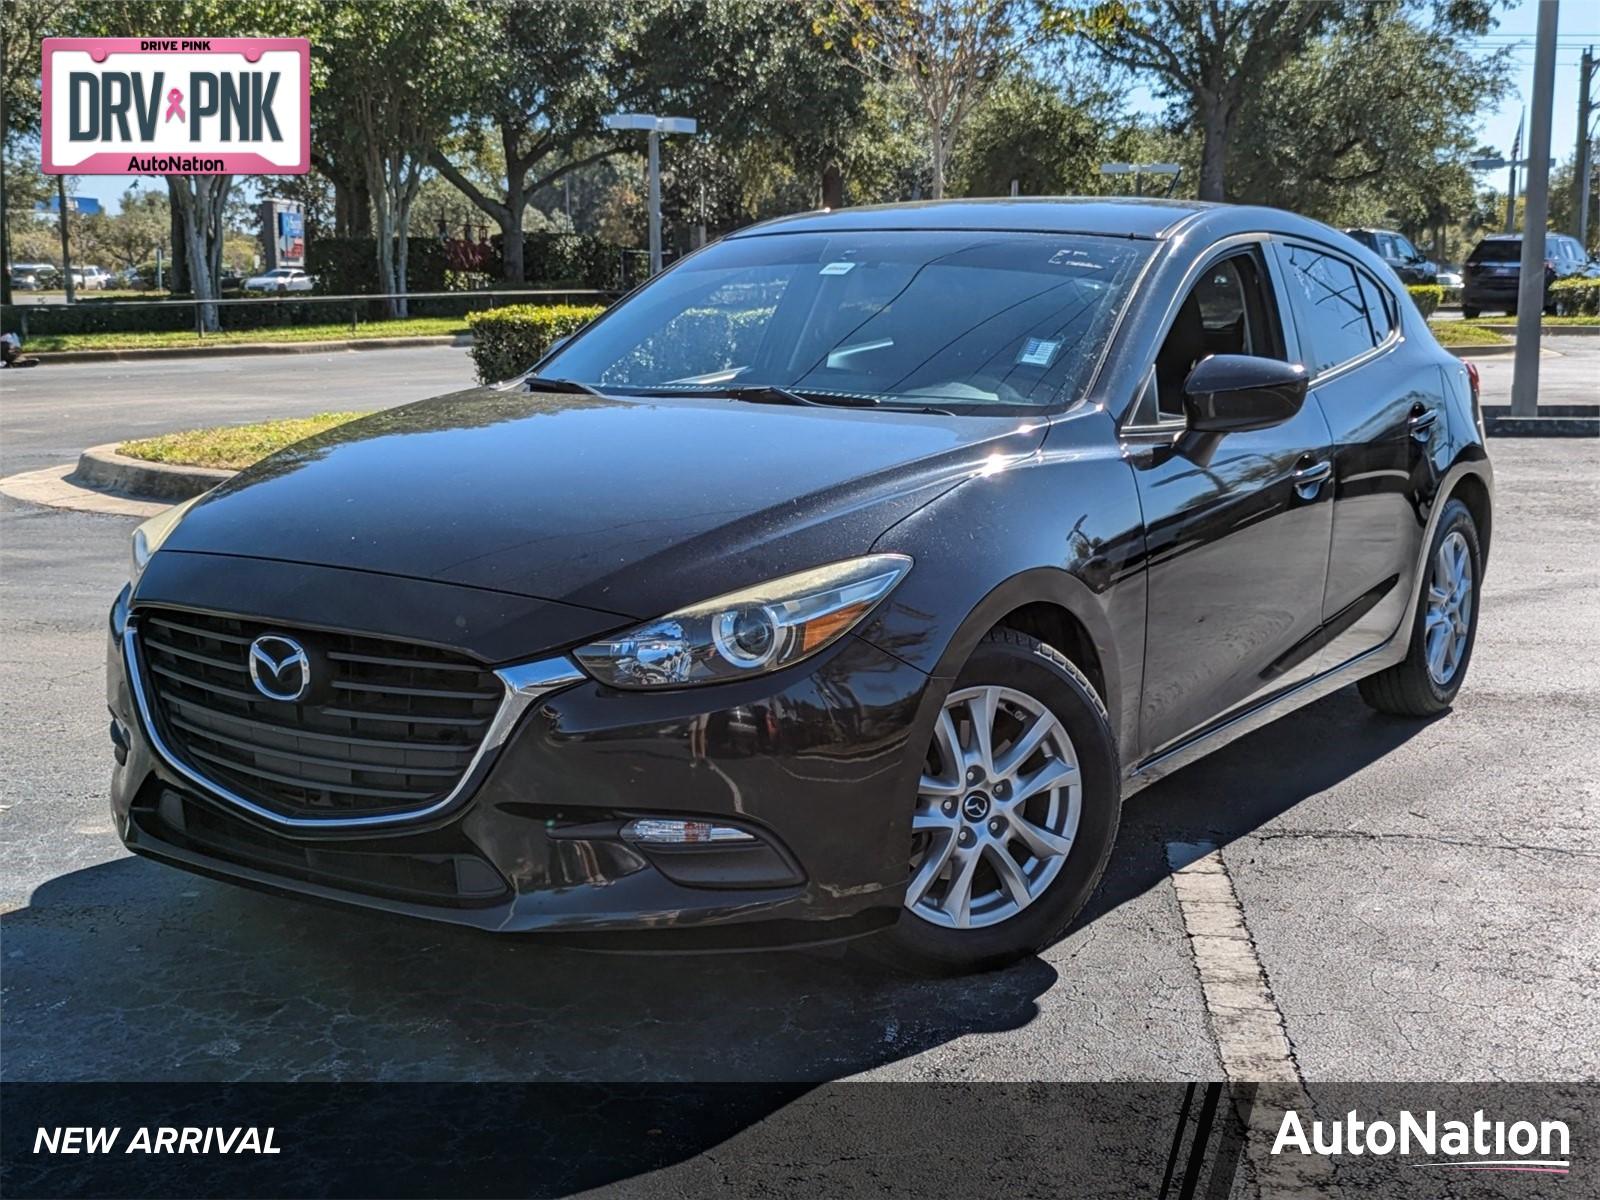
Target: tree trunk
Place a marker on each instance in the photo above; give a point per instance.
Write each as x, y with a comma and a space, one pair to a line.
197, 201
512, 263
177, 267
1216, 119
352, 208
832, 186
938, 163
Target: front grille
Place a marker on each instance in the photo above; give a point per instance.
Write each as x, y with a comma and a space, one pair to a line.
388, 726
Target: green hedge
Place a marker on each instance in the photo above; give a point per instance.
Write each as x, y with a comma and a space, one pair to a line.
507, 341
1426, 296
349, 266
1576, 297
112, 316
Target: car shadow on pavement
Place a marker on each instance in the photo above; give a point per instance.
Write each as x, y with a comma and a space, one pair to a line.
129, 970
1238, 789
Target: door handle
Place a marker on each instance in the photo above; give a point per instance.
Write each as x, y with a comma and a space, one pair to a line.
1309, 478
1422, 422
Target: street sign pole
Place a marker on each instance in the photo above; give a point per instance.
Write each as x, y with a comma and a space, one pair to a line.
1536, 210
655, 202
66, 250
1583, 160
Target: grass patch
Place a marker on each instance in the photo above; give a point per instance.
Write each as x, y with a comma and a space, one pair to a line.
411, 327
231, 447
1463, 333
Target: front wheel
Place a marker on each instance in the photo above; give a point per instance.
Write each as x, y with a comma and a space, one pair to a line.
1016, 811
1444, 628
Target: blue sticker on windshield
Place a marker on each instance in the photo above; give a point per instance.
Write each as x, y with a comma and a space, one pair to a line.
1037, 352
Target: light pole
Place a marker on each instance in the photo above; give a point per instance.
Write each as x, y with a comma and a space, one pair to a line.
655, 126
1140, 170
1530, 282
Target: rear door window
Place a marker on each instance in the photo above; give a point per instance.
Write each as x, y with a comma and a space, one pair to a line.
1330, 307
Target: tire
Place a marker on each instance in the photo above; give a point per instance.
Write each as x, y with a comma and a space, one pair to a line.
1469, 313
1016, 671
1417, 687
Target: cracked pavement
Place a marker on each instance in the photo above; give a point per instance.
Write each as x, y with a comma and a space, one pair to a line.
1424, 896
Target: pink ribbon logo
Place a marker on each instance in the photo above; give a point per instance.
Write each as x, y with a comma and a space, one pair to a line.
175, 105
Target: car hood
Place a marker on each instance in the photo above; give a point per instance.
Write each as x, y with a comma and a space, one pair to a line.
625, 505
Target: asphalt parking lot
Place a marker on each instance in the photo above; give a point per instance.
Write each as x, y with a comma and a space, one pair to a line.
1424, 898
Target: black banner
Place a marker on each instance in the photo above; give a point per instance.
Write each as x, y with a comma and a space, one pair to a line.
1161, 1141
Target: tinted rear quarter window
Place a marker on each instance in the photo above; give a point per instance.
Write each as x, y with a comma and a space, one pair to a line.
1380, 309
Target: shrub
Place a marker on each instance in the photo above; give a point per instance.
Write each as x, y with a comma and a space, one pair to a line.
507, 341
1426, 296
349, 266
1576, 297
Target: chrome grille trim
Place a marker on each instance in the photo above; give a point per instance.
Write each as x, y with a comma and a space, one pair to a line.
525, 684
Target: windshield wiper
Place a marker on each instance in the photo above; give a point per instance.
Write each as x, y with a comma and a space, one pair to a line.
771, 393
571, 387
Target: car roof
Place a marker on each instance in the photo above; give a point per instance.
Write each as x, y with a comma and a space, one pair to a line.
1111, 216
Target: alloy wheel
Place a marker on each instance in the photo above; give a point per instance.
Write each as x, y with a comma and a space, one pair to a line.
997, 809
1448, 622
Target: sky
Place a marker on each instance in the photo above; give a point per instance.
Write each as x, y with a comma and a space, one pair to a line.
1579, 27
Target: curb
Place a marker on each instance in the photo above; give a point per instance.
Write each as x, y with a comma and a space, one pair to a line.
1553, 420
1550, 331
247, 349
1490, 351
101, 468
51, 487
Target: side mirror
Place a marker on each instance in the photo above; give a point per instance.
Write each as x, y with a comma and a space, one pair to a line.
1230, 393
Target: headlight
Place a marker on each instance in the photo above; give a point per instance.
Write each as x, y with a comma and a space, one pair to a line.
148, 537
760, 629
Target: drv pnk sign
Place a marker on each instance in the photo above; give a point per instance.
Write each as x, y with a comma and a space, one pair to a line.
189, 106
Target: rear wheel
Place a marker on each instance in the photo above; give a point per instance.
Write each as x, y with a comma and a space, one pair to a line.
1015, 814
1444, 628
1470, 314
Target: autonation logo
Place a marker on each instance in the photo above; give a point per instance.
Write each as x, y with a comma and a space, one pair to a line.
1477, 1145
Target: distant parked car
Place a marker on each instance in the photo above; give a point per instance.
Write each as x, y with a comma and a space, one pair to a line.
92, 279
1450, 281
1493, 270
32, 277
1397, 251
280, 279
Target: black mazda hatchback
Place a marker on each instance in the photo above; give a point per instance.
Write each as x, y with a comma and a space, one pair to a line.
842, 580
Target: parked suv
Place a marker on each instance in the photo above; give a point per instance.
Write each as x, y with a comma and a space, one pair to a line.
1491, 273
1397, 251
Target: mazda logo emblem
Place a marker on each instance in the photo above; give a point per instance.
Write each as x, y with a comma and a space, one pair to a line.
975, 806
279, 667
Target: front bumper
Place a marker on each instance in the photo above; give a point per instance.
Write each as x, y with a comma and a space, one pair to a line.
817, 762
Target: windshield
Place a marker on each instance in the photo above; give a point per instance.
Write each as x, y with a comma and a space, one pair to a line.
952, 319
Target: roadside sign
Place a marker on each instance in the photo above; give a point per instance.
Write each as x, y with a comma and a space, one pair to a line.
191, 106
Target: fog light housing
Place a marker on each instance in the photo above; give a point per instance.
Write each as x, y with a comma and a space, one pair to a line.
660, 831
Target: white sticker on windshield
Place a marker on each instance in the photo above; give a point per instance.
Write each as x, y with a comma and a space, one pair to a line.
1037, 352
837, 268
